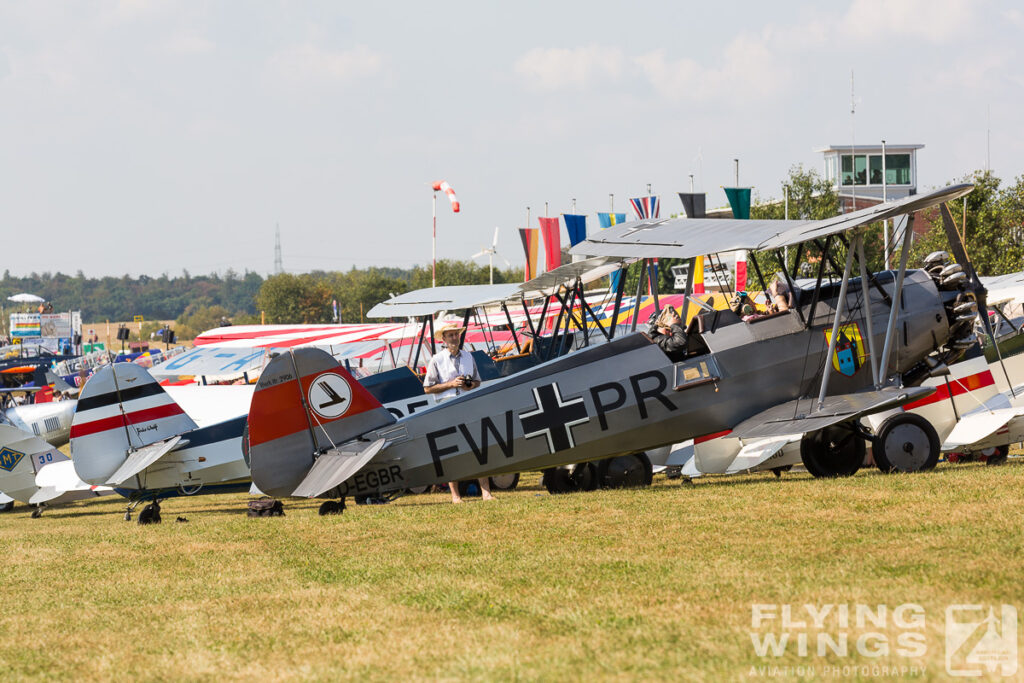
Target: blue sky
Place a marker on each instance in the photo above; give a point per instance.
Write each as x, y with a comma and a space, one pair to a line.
150, 137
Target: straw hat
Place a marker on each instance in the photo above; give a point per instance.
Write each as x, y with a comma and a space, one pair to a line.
447, 327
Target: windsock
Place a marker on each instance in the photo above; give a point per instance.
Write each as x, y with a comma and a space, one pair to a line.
444, 186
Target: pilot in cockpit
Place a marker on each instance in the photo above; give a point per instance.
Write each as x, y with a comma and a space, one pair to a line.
666, 330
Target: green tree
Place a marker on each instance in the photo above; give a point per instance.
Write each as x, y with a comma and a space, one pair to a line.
287, 298
995, 222
197, 319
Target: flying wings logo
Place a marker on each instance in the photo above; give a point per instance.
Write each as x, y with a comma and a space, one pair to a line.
9, 458
554, 417
850, 353
329, 396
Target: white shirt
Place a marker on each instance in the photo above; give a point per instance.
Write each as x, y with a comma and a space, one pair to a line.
444, 367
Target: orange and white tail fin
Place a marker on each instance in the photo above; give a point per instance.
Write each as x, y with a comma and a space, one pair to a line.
304, 403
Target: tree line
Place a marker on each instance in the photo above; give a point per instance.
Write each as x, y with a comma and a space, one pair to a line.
994, 240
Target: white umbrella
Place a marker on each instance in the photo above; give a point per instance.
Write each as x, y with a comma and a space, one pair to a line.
25, 298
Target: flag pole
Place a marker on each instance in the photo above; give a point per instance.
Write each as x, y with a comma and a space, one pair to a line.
433, 247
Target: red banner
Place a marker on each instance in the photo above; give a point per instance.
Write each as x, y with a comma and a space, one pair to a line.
550, 228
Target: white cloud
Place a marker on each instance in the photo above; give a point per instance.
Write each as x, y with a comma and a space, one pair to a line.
311, 63
933, 20
552, 68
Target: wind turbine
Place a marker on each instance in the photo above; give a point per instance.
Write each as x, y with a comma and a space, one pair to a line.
490, 252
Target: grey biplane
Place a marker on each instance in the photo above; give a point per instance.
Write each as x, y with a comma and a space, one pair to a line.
315, 432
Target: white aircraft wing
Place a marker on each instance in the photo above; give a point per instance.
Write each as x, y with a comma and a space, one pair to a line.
691, 237
58, 479
803, 416
978, 425
756, 452
334, 467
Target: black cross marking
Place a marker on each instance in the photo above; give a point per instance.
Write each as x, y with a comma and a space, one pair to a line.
333, 395
554, 417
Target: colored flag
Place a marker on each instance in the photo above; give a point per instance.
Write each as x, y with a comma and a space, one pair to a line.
646, 207
694, 204
530, 239
739, 200
550, 229
698, 275
576, 226
607, 220
741, 271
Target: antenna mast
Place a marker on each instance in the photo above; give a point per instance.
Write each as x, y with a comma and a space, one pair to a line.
278, 264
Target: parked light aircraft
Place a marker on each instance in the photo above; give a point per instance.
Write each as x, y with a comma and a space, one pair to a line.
753, 379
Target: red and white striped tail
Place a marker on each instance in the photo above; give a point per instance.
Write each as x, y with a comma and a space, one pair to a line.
121, 408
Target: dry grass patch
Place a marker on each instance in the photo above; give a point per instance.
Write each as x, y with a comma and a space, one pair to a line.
654, 583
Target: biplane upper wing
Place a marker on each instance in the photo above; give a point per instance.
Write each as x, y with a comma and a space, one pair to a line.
802, 416
691, 237
430, 300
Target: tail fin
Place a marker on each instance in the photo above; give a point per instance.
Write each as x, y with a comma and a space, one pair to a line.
22, 455
304, 403
121, 409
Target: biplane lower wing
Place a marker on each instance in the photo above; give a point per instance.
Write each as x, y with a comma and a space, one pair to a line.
980, 424
333, 468
758, 452
802, 416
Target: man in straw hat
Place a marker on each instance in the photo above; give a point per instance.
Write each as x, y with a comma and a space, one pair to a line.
451, 372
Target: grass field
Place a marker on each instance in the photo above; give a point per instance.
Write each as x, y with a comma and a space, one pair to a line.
656, 583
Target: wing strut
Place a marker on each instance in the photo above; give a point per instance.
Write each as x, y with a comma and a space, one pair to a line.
897, 301
866, 295
840, 306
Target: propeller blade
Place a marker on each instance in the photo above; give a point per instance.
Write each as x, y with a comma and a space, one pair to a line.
494, 244
507, 262
479, 254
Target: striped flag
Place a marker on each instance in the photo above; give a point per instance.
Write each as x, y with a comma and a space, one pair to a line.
741, 271
698, 275
530, 241
646, 207
607, 220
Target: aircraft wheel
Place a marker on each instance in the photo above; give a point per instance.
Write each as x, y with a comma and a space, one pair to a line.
7, 507
128, 516
777, 471
37, 513
557, 480
586, 476
150, 514
906, 443
331, 507
997, 457
625, 471
504, 482
835, 451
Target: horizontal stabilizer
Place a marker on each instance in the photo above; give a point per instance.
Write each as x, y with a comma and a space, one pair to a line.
977, 426
756, 452
141, 459
61, 476
44, 495
334, 467
802, 415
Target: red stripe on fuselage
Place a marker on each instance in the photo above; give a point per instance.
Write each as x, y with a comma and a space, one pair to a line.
955, 387
709, 437
119, 421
